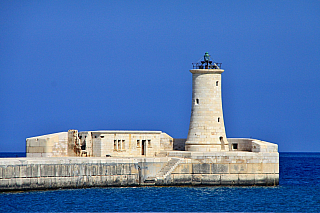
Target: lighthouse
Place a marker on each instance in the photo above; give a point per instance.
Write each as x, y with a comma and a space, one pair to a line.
206, 130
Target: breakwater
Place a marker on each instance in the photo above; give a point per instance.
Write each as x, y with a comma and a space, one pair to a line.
229, 168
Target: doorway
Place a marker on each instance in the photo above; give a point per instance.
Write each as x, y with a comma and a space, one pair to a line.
222, 143
143, 147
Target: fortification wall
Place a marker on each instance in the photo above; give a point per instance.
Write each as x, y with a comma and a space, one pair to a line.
53, 173
224, 168
189, 168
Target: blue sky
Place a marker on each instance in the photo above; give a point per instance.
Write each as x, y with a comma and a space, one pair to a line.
124, 65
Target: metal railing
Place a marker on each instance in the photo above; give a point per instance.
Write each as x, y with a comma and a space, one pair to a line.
204, 65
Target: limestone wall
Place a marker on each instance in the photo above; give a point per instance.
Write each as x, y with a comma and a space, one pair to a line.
231, 170
251, 145
166, 142
192, 168
52, 173
99, 144
51, 145
225, 168
129, 143
206, 130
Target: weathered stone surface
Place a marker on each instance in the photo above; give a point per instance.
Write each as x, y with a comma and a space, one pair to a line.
219, 168
50, 173
206, 130
203, 168
229, 179
211, 179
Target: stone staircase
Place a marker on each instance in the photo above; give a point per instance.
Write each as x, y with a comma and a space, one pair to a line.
164, 172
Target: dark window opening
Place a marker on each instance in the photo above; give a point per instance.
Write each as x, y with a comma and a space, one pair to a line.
234, 146
217, 83
219, 119
197, 101
83, 147
143, 147
222, 143
101, 136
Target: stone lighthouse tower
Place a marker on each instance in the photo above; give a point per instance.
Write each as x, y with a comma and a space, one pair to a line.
206, 130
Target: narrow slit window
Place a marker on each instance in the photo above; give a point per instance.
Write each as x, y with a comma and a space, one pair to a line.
217, 83
197, 101
149, 143
218, 119
115, 144
138, 143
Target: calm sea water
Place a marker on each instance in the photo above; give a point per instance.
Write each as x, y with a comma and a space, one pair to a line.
299, 191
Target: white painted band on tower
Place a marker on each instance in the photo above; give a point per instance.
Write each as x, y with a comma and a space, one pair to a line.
206, 130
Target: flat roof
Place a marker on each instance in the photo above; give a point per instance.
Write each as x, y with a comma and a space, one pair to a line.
123, 132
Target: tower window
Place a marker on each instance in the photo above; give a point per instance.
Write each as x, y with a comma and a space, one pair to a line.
218, 119
217, 83
197, 101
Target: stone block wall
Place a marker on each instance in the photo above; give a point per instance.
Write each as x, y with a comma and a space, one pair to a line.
51, 145
166, 142
251, 145
206, 130
230, 168
262, 146
99, 144
130, 143
53, 173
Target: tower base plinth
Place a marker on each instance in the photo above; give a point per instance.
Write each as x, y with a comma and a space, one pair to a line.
206, 148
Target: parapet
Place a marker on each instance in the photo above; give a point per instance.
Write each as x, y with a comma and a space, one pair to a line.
51, 145
251, 145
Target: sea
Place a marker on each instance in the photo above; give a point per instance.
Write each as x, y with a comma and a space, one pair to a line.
299, 191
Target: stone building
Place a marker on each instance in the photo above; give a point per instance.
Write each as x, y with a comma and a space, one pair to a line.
99, 144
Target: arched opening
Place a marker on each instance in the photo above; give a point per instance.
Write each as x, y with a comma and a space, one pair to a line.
222, 143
